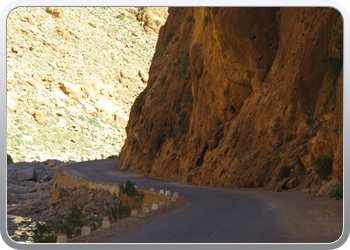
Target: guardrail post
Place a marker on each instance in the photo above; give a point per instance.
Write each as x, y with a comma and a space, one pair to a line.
106, 223
62, 238
154, 206
86, 230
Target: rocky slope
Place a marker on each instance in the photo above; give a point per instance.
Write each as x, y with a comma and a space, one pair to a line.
72, 76
33, 195
237, 94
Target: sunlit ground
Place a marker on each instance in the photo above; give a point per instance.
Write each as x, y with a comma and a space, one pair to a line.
24, 227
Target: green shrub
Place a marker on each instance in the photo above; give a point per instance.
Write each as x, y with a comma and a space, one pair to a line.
70, 225
190, 19
323, 166
184, 68
121, 17
156, 55
284, 172
134, 197
138, 109
169, 37
128, 188
94, 122
159, 140
119, 211
218, 122
336, 192
206, 21
43, 234
184, 127
288, 138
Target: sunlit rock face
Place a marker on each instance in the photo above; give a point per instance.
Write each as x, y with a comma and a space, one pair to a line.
235, 94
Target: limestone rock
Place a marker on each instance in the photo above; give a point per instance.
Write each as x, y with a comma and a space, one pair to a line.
143, 75
33, 82
70, 90
326, 188
15, 49
291, 183
37, 186
12, 102
9, 159
41, 117
56, 12
57, 194
28, 174
53, 163
278, 189
40, 99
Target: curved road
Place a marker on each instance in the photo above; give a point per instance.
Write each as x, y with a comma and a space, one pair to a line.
223, 215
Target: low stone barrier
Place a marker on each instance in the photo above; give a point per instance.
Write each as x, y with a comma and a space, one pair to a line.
150, 197
71, 181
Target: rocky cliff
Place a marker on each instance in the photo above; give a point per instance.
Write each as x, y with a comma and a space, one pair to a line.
236, 95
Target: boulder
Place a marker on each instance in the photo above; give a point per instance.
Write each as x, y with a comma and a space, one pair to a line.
143, 75
9, 159
56, 12
28, 174
326, 188
40, 117
41, 99
57, 194
53, 163
33, 202
37, 186
292, 183
70, 90
12, 102
282, 184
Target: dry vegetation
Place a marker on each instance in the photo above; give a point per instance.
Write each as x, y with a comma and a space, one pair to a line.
72, 76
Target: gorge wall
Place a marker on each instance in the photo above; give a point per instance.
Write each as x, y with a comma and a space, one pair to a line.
234, 94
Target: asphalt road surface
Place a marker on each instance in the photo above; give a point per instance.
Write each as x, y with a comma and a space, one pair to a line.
224, 215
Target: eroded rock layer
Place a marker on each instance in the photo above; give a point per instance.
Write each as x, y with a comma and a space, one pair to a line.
235, 94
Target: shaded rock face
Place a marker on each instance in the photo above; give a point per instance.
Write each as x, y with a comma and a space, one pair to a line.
234, 94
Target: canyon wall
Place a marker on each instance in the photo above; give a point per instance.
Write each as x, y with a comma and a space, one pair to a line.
235, 94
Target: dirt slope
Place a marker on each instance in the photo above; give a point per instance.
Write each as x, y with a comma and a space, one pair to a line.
72, 76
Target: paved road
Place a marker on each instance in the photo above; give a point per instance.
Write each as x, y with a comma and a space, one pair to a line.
223, 215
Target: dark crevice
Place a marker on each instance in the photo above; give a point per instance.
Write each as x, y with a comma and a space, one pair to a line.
201, 158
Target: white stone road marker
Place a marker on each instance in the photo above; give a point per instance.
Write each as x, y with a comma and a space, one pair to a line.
106, 223
134, 213
145, 210
86, 230
62, 238
162, 204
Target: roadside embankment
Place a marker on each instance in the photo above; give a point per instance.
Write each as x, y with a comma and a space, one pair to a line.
63, 178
